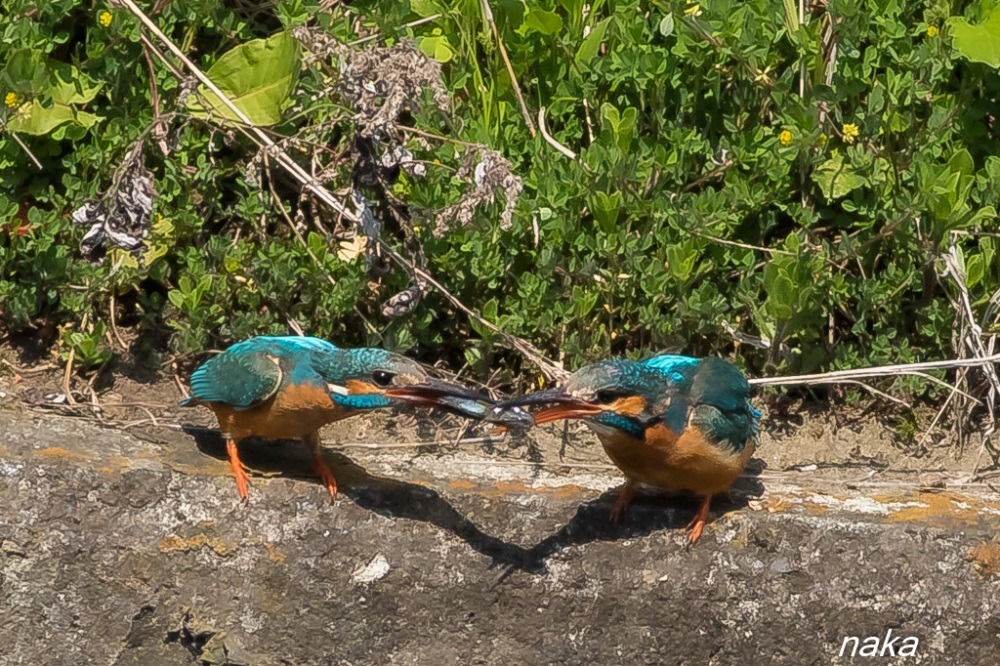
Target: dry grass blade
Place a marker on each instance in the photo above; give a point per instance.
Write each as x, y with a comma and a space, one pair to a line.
488, 15
968, 338
548, 137
914, 369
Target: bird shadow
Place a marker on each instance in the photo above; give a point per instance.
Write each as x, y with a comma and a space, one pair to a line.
385, 496
647, 514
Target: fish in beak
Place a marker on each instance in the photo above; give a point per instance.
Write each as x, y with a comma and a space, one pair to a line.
460, 401
561, 406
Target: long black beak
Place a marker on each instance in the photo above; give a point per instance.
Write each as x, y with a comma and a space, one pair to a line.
460, 401
433, 389
561, 405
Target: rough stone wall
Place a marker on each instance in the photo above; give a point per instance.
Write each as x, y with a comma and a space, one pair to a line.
117, 550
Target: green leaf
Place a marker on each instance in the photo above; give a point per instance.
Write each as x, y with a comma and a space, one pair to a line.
979, 43
605, 208
681, 259
624, 131
38, 120
258, 76
26, 71
781, 294
424, 8
975, 269
540, 21
437, 47
590, 45
667, 25
583, 302
70, 86
835, 179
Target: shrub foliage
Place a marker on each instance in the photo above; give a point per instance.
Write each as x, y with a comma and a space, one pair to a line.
739, 173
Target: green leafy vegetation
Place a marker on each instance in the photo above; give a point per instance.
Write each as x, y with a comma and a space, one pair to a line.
737, 175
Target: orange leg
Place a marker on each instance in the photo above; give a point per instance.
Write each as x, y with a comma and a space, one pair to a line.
319, 465
625, 497
697, 523
242, 478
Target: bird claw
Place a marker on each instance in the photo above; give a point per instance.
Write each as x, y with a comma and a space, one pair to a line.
325, 475
622, 503
697, 524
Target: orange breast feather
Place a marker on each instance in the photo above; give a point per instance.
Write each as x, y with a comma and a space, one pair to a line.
677, 462
295, 411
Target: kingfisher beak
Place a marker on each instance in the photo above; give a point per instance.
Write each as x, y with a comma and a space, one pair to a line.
561, 405
460, 401
430, 392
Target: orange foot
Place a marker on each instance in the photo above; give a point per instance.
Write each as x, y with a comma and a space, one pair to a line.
320, 467
625, 497
242, 478
697, 523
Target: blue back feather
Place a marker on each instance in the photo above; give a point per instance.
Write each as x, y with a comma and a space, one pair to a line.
710, 393
244, 374
672, 366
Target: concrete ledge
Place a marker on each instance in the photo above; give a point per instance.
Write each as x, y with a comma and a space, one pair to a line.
116, 549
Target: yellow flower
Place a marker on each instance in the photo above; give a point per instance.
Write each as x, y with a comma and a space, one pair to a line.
823, 138
932, 31
693, 10
850, 132
785, 138
11, 99
104, 19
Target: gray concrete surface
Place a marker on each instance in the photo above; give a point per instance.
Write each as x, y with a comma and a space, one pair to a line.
120, 549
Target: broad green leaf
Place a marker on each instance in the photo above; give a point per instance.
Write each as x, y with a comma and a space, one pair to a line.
780, 296
84, 119
70, 86
835, 179
490, 309
624, 130
605, 208
424, 8
979, 43
540, 21
610, 116
437, 47
681, 259
38, 120
667, 25
961, 162
590, 45
26, 71
259, 77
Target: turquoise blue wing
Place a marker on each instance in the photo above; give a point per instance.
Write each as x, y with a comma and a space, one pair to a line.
721, 384
244, 375
720, 394
711, 394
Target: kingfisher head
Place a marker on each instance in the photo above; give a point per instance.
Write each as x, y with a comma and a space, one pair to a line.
370, 378
617, 393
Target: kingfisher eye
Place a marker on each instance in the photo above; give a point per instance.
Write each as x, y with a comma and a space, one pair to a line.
605, 396
382, 377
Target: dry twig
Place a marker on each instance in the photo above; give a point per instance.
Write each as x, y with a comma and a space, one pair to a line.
488, 15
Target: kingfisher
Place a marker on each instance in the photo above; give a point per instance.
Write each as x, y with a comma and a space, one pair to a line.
671, 421
291, 386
